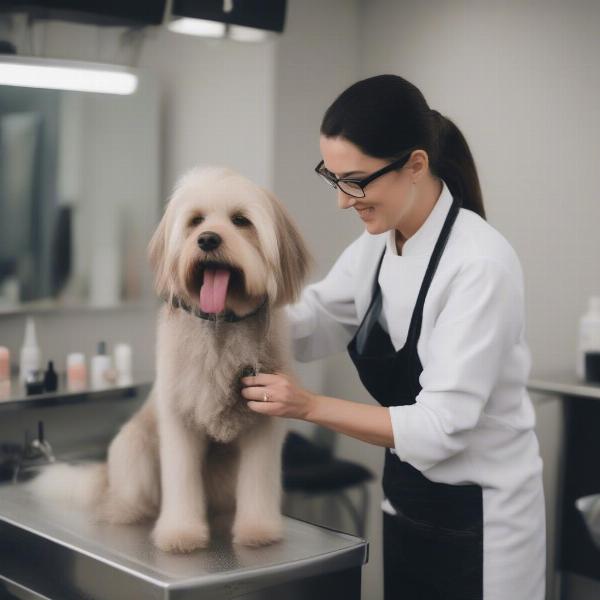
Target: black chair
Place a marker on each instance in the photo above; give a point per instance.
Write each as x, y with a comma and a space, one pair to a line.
313, 469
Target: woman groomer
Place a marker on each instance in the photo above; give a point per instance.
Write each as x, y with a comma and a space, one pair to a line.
429, 301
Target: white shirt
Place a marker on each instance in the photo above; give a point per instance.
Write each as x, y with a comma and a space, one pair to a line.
473, 420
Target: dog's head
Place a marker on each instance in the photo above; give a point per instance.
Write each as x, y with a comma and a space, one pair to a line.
225, 243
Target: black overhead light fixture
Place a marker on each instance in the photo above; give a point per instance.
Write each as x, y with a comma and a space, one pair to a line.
97, 12
65, 74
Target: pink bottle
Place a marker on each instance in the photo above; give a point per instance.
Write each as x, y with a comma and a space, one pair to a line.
4, 373
76, 372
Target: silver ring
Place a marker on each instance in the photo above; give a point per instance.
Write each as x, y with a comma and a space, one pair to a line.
266, 396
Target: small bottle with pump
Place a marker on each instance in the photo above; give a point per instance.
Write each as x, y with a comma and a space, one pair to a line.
30, 352
589, 334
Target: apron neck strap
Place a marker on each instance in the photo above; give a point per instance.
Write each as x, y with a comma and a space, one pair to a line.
414, 329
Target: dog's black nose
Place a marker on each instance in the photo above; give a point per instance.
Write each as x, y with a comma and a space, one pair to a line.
209, 240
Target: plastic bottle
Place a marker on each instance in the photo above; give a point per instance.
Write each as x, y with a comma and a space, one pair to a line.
50, 378
122, 354
100, 368
589, 334
4, 363
76, 372
30, 352
4, 373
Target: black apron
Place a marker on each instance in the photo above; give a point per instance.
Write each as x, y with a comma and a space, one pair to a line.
433, 547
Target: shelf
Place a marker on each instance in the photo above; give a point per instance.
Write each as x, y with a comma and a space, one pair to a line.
64, 396
56, 308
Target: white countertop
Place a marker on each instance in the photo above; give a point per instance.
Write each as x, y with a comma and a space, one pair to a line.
563, 384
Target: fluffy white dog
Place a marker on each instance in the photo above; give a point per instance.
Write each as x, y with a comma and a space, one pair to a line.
227, 259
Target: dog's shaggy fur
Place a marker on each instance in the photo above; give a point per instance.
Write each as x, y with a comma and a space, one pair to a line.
194, 449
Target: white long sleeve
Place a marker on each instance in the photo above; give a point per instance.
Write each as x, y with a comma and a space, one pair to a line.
477, 328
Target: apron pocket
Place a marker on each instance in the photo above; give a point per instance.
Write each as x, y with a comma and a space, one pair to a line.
449, 560
439, 508
436, 521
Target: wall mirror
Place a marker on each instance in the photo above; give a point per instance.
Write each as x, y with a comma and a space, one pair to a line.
79, 196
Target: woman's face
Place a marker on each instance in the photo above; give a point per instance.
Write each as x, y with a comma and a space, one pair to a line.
387, 199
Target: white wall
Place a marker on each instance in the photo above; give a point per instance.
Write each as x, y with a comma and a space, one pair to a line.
218, 103
316, 59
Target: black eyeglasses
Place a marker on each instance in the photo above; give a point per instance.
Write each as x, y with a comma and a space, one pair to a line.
356, 187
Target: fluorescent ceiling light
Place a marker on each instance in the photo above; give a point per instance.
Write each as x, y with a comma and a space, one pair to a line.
207, 28
202, 27
247, 34
72, 75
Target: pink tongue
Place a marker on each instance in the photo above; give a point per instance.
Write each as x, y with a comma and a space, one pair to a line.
214, 290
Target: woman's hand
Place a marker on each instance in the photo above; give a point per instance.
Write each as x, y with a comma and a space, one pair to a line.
285, 398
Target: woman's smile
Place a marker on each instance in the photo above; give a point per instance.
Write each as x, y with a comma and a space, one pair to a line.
365, 213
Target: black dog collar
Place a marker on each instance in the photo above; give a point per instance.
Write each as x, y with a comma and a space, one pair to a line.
229, 315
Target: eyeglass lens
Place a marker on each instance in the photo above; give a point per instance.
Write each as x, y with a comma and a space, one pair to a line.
352, 189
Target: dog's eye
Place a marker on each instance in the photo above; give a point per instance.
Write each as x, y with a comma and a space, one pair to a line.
240, 220
194, 221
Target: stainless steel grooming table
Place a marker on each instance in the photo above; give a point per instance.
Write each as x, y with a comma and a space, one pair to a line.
49, 552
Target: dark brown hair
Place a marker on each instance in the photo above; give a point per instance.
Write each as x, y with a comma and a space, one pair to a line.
386, 115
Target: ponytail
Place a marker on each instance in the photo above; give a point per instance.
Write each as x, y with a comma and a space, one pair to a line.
386, 114
455, 165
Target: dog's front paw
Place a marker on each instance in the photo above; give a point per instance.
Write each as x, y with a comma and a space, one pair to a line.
180, 537
257, 533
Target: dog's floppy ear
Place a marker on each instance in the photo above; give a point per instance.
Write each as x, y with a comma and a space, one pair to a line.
294, 259
157, 256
